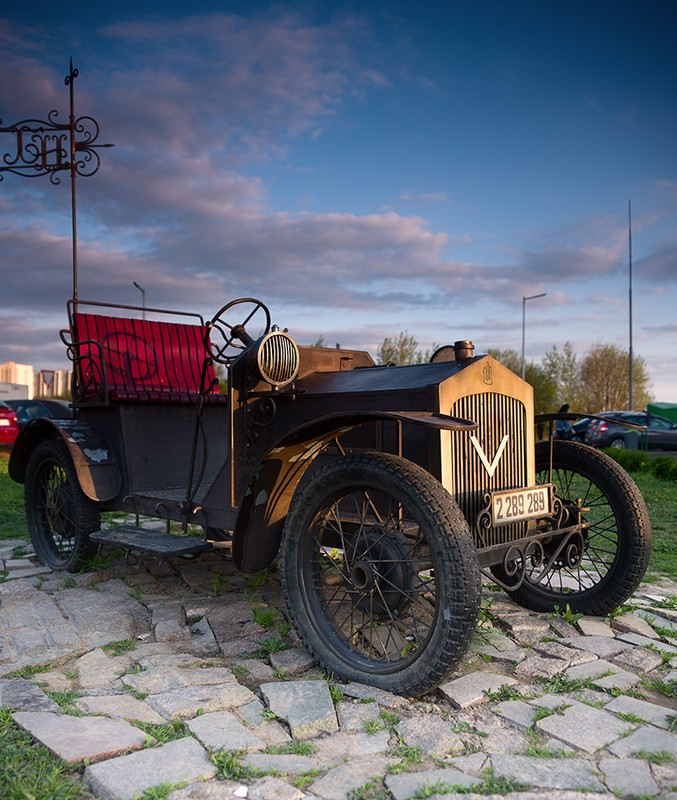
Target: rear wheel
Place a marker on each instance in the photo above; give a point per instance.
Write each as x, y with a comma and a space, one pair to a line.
60, 515
615, 547
380, 573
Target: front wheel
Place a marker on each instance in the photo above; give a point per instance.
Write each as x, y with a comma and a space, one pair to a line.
616, 544
380, 573
60, 515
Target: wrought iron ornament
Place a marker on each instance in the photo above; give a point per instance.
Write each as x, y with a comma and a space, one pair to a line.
47, 147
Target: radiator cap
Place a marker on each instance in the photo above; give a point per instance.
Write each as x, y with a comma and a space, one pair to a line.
463, 349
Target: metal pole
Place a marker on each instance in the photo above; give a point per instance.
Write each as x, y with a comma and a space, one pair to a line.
524, 327
630, 402
524, 324
72, 74
143, 299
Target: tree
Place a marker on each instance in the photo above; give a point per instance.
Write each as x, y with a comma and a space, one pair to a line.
509, 358
545, 392
564, 372
604, 379
401, 350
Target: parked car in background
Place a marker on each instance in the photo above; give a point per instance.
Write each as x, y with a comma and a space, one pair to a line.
30, 409
579, 429
9, 428
660, 434
590, 431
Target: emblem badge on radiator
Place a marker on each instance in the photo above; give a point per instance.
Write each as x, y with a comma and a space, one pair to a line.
488, 374
489, 467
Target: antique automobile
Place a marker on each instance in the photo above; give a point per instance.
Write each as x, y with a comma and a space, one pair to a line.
387, 492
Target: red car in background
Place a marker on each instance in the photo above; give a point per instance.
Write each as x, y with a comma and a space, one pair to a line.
9, 428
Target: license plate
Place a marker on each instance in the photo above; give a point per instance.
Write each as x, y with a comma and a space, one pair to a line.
517, 505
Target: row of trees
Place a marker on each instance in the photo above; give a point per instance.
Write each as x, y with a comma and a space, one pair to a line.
597, 381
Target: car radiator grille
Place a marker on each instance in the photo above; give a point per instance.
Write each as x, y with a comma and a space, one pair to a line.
491, 459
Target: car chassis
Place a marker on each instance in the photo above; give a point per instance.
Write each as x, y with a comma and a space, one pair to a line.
387, 491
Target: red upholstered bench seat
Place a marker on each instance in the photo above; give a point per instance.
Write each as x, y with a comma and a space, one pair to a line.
119, 359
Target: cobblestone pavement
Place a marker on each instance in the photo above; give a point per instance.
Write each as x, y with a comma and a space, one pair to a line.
541, 708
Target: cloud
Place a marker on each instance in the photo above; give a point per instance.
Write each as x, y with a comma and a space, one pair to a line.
659, 265
435, 198
661, 330
197, 108
206, 113
239, 85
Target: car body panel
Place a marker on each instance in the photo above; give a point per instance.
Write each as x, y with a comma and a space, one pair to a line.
38, 407
9, 427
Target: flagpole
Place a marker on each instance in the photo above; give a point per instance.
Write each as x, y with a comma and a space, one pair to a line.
630, 401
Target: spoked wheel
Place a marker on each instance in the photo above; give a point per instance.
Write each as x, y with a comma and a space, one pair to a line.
380, 573
603, 573
60, 515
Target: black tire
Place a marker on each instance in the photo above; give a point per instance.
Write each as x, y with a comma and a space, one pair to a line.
618, 442
617, 543
380, 573
60, 516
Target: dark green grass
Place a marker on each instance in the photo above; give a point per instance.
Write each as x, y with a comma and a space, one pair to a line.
661, 499
12, 516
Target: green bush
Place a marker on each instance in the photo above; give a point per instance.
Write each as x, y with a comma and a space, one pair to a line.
631, 460
662, 467
665, 468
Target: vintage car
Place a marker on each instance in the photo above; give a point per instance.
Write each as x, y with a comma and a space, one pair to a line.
387, 492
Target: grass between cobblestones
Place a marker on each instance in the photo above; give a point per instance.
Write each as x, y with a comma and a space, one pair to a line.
29, 770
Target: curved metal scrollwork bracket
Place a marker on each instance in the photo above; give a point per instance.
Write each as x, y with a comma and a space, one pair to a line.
266, 410
527, 560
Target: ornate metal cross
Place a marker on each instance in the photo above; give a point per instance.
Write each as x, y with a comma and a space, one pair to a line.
48, 147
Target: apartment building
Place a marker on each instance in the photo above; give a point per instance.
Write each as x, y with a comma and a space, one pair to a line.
20, 381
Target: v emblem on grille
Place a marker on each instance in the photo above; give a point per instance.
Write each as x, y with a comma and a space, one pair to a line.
490, 467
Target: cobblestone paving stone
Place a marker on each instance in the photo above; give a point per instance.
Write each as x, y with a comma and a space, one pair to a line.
543, 708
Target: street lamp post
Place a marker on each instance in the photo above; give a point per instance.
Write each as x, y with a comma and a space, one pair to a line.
524, 319
143, 298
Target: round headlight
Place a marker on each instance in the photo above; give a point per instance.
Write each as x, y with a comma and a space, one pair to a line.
275, 358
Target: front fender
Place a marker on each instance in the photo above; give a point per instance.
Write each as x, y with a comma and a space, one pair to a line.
97, 468
264, 507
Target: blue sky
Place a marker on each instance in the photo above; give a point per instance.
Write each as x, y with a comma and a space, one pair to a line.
363, 168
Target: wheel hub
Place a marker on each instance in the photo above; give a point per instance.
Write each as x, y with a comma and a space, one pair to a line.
362, 576
381, 573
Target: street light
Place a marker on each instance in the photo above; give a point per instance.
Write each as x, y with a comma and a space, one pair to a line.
524, 319
143, 298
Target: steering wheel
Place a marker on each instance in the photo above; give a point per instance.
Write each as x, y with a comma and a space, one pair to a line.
234, 338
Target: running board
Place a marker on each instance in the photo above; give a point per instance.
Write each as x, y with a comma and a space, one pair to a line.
144, 540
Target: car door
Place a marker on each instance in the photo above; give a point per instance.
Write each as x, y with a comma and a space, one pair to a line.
662, 434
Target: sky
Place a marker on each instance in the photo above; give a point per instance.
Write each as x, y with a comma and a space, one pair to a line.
364, 169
